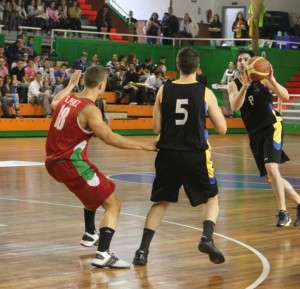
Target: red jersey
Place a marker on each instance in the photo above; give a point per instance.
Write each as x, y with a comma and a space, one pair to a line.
67, 140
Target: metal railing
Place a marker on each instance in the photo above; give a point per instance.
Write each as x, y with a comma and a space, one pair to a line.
290, 110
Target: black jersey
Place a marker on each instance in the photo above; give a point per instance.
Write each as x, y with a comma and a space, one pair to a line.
257, 111
183, 124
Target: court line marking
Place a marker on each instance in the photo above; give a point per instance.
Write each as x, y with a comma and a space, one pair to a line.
265, 263
2, 225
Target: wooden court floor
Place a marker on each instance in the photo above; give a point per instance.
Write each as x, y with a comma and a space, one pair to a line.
41, 224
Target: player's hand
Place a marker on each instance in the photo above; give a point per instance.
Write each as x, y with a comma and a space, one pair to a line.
75, 77
150, 146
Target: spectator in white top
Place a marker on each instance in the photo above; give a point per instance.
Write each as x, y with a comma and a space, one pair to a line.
189, 28
37, 95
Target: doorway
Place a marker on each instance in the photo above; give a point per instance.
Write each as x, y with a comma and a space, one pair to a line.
228, 15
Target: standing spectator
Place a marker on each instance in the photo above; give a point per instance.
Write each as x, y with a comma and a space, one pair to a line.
152, 27
133, 23
103, 20
166, 29
215, 29
184, 154
297, 28
174, 22
36, 94
74, 14
240, 29
189, 28
229, 75
81, 63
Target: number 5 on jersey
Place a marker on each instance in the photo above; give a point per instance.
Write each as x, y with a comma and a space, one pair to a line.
181, 110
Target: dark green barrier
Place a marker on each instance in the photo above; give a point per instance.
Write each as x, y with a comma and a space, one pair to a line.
2, 39
213, 60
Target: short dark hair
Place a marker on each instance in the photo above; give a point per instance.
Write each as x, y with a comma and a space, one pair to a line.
187, 60
94, 75
244, 51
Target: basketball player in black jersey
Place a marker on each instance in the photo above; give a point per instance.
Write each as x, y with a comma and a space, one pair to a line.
264, 127
184, 157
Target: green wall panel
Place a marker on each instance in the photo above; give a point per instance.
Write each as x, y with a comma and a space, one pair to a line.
213, 60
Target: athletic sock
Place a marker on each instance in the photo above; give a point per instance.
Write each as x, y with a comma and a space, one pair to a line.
208, 229
89, 221
106, 235
146, 240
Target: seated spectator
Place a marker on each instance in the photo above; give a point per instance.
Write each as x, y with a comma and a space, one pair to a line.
152, 27
122, 59
94, 61
36, 62
18, 76
29, 71
132, 58
112, 65
189, 28
53, 15
31, 13
10, 96
3, 56
13, 50
120, 85
41, 17
3, 68
133, 78
103, 20
200, 77
47, 72
60, 76
147, 68
37, 95
29, 45
153, 82
62, 16
81, 63
74, 14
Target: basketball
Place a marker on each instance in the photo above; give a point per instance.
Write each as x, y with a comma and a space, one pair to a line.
258, 68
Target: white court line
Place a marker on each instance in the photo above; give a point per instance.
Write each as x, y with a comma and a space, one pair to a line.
2, 225
266, 266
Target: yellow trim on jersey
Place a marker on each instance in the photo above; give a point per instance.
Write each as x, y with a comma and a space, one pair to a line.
209, 164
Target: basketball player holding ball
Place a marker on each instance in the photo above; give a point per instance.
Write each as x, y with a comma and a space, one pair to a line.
264, 126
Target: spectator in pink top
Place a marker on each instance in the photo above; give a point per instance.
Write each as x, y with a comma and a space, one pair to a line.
29, 71
3, 68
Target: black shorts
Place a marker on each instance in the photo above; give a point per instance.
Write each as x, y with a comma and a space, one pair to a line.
192, 169
266, 146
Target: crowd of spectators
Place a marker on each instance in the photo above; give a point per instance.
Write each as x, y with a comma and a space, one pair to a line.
27, 77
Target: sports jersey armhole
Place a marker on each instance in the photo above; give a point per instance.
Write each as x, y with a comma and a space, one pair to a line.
83, 129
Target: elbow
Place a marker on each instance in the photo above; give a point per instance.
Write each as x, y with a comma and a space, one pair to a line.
222, 130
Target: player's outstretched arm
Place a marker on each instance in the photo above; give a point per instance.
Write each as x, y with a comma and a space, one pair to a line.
214, 112
91, 118
66, 91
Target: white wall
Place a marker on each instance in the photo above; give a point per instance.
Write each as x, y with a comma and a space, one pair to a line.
142, 9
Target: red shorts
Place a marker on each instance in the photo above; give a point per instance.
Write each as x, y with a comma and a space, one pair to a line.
84, 180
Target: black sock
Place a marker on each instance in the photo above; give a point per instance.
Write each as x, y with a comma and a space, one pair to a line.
106, 235
208, 229
89, 221
146, 240
298, 210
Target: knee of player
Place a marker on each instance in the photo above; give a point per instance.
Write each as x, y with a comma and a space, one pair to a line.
272, 170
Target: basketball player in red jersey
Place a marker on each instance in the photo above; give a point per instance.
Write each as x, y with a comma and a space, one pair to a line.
264, 126
75, 121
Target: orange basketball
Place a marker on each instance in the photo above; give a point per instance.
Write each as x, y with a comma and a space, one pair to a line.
258, 68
